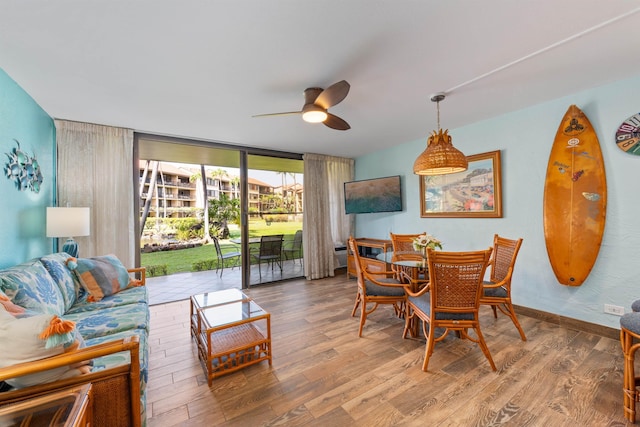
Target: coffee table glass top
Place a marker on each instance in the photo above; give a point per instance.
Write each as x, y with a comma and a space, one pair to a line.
57, 409
230, 313
226, 296
388, 258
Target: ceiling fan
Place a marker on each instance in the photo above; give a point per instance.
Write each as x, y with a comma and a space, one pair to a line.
316, 103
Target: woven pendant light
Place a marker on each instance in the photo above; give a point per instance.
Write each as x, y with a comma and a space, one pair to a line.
440, 157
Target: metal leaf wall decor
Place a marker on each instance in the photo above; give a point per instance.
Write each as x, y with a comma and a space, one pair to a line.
24, 169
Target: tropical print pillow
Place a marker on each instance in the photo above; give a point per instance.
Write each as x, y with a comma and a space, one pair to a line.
100, 276
30, 285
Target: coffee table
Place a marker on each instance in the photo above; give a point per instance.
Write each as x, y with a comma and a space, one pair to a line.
231, 331
211, 299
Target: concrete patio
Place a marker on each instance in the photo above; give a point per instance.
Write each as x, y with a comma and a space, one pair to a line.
181, 286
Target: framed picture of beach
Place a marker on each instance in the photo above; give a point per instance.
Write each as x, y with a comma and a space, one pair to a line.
474, 193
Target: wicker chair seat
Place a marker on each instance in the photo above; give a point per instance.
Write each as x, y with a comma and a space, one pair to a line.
384, 291
631, 322
500, 292
423, 304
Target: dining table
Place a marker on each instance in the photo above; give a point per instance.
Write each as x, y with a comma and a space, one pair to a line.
415, 272
252, 240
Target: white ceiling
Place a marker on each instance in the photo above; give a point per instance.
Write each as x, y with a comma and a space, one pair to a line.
201, 69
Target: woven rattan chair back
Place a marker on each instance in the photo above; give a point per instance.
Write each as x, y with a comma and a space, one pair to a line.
497, 292
505, 252
455, 279
353, 247
452, 301
403, 250
403, 247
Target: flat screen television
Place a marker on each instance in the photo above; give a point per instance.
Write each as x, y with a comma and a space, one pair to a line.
373, 195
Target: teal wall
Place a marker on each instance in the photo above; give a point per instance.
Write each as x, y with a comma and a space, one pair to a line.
525, 138
22, 217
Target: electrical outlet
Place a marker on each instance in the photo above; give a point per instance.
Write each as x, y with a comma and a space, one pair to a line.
614, 309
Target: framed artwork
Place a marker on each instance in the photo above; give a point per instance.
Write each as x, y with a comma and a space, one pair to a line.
474, 193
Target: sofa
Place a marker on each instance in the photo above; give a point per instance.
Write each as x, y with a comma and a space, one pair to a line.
107, 307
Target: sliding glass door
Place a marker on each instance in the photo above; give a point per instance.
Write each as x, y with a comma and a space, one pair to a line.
192, 193
274, 218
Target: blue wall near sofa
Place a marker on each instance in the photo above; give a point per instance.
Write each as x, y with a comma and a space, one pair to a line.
22, 217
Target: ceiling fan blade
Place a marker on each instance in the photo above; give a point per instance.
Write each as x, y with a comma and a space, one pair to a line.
287, 113
335, 122
333, 95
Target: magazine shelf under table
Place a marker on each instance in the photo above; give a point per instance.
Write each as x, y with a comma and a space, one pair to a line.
232, 336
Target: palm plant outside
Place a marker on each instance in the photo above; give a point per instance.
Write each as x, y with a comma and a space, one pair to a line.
223, 211
198, 177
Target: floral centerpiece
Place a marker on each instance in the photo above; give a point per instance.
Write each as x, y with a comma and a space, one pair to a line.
424, 241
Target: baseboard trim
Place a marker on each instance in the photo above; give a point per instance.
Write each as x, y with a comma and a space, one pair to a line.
568, 322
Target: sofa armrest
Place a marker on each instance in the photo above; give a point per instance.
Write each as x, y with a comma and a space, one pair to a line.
140, 274
116, 390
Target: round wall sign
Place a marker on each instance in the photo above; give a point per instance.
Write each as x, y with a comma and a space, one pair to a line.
628, 135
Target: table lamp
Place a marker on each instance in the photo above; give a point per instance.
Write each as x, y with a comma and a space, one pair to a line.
68, 222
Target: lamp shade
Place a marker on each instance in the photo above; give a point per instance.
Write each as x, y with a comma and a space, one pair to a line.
440, 157
68, 222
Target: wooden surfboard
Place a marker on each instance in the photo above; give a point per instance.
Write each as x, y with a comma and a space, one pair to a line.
575, 199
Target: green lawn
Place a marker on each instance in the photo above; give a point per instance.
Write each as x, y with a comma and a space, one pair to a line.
259, 228
180, 261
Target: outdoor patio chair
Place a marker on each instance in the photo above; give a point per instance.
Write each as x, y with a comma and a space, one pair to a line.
294, 247
222, 257
270, 251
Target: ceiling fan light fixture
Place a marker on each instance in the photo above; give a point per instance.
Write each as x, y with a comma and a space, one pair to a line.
311, 113
440, 157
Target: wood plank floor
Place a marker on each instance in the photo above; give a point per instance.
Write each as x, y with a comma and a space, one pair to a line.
324, 375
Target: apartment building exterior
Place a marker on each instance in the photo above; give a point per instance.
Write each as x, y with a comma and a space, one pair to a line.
177, 194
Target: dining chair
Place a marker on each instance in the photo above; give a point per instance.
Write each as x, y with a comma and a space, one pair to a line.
269, 251
451, 300
403, 250
375, 289
497, 290
630, 341
293, 247
222, 257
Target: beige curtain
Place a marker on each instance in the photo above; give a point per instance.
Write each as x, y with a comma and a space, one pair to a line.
95, 169
325, 223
